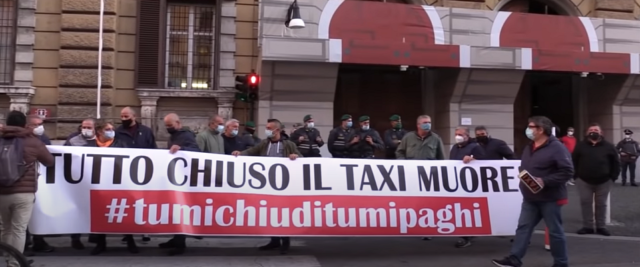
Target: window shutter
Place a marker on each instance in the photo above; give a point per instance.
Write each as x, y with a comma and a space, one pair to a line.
149, 36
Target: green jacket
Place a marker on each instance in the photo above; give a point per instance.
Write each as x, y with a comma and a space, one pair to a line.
413, 146
260, 149
210, 142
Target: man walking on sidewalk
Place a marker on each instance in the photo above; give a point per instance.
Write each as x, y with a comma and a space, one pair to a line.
596, 163
628, 149
549, 162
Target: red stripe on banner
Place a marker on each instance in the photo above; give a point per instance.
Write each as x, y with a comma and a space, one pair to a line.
198, 213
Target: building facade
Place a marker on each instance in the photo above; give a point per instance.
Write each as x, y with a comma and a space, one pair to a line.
158, 56
470, 64
467, 64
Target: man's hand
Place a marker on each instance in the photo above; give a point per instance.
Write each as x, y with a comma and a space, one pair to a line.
540, 181
293, 156
301, 138
467, 159
236, 153
355, 140
318, 139
369, 140
174, 149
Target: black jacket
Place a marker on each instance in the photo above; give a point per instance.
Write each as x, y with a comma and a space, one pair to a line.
138, 136
496, 149
309, 147
630, 148
552, 163
458, 152
185, 139
236, 143
596, 163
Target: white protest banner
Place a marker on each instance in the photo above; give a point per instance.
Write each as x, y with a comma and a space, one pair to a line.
111, 190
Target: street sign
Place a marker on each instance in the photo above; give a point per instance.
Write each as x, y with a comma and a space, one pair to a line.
40, 112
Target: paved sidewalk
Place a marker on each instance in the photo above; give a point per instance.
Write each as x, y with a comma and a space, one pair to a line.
346, 252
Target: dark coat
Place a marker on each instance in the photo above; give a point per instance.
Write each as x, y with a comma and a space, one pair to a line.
185, 139
553, 164
138, 136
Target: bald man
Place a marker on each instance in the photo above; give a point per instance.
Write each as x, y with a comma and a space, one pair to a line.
132, 133
180, 139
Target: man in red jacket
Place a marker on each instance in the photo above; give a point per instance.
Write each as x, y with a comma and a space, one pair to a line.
569, 141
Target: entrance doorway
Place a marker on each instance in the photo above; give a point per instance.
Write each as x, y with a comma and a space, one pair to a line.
378, 92
548, 94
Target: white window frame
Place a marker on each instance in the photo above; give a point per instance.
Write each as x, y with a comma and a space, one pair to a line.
191, 33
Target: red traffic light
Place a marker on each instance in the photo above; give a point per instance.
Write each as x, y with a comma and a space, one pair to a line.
253, 79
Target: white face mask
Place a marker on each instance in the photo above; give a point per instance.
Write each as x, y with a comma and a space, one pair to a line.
87, 133
220, 128
38, 130
570, 133
627, 136
310, 125
459, 139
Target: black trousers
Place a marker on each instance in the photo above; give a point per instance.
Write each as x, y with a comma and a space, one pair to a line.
101, 239
179, 241
631, 166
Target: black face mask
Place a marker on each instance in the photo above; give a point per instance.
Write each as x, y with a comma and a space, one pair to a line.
482, 139
127, 123
250, 131
172, 130
594, 136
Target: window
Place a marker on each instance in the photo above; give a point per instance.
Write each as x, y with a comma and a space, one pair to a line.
7, 39
190, 43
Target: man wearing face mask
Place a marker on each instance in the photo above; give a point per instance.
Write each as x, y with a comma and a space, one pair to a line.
132, 133
628, 149
86, 136
273, 146
465, 151
308, 139
185, 140
596, 166
338, 137
422, 143
549, 162
494, 149
233, 142
210, 140
34, 123
365, 141
250, 131
393, 137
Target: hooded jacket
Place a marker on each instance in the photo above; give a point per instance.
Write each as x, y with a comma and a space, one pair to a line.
34, 151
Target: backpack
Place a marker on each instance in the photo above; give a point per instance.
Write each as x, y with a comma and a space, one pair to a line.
12, 165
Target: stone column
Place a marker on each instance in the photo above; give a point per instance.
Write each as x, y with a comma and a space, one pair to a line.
20, 101
148, 110
225, 105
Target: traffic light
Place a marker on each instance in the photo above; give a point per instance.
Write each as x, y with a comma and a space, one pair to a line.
247, 86
254, 81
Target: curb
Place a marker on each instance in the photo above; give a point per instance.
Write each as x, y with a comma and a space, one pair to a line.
612, 238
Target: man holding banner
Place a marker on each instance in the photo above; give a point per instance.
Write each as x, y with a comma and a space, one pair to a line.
549, 163
274, 146
180, 139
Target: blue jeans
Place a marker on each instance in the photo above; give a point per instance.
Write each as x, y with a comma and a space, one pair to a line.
530, 216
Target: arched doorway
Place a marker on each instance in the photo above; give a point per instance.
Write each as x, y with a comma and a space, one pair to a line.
544, 93
379, 91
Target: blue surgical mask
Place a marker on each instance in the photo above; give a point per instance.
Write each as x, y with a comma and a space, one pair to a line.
268, 133
234, 132
220, 128
365, 127
109, 134
425, 126
529, 133
349, 124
